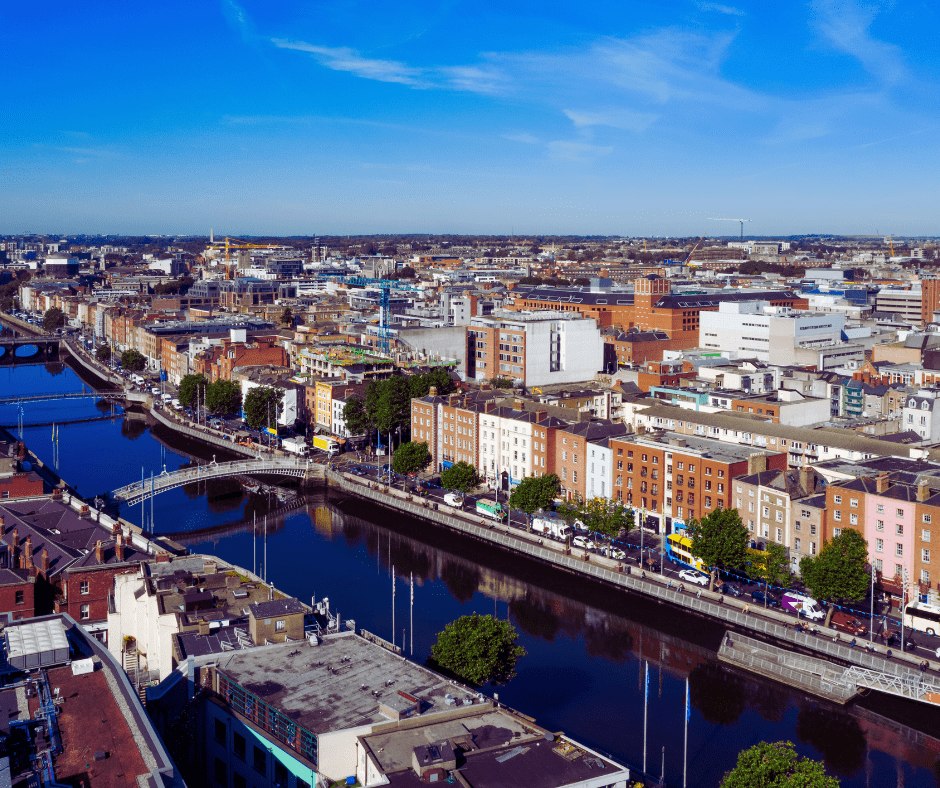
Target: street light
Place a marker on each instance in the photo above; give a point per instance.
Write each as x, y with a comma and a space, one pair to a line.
872, 628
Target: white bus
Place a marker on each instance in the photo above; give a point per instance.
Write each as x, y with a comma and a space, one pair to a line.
922, 617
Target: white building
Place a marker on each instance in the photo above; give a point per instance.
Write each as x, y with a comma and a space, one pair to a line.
769, 333
536, 348
906, 303
922, 415
600, 465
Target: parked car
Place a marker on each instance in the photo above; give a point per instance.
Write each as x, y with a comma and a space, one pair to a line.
583, 541
761, 596
731, 589
691, 576
894, 641
846, 622
613, 552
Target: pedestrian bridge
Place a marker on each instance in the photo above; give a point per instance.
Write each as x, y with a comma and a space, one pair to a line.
116, 395
279, 466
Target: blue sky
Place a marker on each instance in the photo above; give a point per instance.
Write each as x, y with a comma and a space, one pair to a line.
640, 118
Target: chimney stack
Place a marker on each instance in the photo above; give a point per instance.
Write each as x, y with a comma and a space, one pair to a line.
808, 479
923, 490
16, 538
756, 463
45, 562
99, 552
881, 483
28, 552
119, 545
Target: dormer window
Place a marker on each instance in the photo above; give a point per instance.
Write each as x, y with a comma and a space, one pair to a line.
923, 406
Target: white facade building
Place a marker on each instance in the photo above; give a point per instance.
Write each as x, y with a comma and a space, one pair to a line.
922, 415
600, 475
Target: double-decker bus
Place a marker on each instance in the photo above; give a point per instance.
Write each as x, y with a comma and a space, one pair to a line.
491, 509
679, 548
922, 617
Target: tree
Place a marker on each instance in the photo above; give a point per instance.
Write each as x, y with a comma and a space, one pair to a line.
287, 317
478, 649
356, 416
133, 360
777, 765
582, 281
501, 383
720, 539
840, 571
103, 353
223, 397
605, 516
773, 567
411, 457
460, 476
419, 384
389, 403
534, 493
192, 388
262, 406
52, 319
405, 273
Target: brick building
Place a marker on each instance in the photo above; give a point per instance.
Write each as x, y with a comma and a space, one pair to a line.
20, 485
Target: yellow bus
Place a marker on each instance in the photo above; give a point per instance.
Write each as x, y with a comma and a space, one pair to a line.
679, 548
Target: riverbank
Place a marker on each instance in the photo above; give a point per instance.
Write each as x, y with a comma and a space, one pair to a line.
767, 623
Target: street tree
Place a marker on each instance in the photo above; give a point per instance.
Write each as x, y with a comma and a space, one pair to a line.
840, 571
52, 319
192, 388
389, 403
478, 650
223, 397
606, 516
103, 353
534, 493
773, 567
720, 539
133, 360
460, 476
356, 416
411, 457
777, 765
262, 406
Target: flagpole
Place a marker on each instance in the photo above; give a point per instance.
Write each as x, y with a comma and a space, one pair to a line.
152, 496
265, 548
646, 696
254, 544
393, 604
685, 752
412, 613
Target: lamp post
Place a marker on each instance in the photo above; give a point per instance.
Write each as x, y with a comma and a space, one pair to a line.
872, 627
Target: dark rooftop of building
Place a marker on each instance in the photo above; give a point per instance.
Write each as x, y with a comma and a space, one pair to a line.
276, 607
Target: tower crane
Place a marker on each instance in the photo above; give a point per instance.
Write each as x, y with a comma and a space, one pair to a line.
716, 219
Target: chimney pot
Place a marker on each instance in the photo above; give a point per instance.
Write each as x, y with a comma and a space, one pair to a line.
923, 490
881, 483
99, 552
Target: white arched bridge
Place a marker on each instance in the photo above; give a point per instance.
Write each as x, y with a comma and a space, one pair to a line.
278, 466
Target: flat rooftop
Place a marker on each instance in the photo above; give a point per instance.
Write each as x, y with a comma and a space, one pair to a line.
704, 447
338, 684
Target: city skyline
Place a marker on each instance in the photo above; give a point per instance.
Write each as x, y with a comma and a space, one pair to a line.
446, 118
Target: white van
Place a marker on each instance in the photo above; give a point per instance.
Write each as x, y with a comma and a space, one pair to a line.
453, 499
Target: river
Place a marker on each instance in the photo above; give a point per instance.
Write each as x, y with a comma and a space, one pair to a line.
587, 646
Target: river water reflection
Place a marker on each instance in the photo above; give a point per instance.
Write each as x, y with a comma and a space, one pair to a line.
587, 646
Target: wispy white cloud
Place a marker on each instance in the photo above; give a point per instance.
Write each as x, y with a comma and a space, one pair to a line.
845, 24
239, 21
613, 118
721, 9
578, 151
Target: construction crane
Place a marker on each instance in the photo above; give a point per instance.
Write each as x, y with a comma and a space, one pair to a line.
689, 258
715, 219
384, 286
236, 243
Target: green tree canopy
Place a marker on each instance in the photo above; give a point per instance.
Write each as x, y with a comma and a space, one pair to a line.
605, 516
223, 397
389, 403
133, 360
189, 386
840, 571
478, 649
460, 476
501, 383
52, 319
262, 406
103, 353
777, 765
419, 385
287, 316
411, 457
773, 567
720, 539
534, 493
356, 416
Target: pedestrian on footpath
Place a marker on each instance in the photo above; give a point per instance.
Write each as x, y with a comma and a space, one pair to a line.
747, 609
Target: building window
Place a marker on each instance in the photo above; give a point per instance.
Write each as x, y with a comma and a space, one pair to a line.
238, 745
280, 774
881, 508
797, 543
925, 535
879, 545
899, 570
812, 548
837, 532
260, 760
879, 525
926, 518
899, 528
20, 597
220, 731
899, 550
837, 515
900, 514
83, 587
238, 781
837, 498
279, 625
925, 555
779, 534
853, 518
221, 775
85, 612
879, 564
